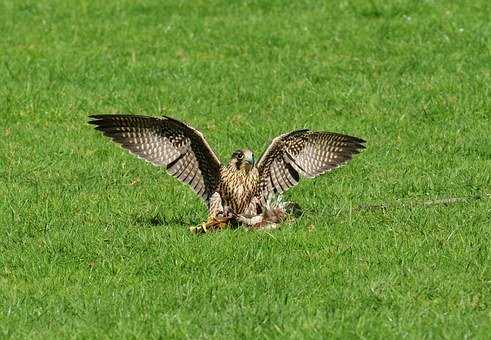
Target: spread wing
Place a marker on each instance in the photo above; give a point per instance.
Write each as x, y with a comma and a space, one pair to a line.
303, 153
166, 142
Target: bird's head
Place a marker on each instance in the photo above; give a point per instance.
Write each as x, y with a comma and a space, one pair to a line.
242, 159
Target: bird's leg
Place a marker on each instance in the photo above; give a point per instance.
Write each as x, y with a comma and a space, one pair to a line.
214, 222
217, 222
217, 214
218, 217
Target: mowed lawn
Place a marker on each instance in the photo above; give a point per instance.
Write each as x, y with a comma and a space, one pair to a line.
95, 243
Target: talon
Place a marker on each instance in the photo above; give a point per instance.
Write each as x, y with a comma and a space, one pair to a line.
216, 223
199, 229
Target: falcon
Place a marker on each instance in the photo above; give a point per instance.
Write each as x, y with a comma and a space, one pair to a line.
242, 191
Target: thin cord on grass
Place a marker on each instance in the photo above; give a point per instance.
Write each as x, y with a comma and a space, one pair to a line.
413, 203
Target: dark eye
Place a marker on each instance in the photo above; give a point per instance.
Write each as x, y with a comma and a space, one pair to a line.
240, 156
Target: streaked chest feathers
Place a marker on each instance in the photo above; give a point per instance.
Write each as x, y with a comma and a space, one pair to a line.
237, 187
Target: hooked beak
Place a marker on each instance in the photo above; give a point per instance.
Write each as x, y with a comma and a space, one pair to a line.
251, 160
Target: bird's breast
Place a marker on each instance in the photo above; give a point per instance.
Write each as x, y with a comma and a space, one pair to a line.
238, 188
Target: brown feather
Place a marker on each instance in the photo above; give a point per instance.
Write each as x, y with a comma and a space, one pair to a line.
303, 153
166, 142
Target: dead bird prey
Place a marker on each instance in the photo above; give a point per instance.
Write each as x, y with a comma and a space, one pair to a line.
242, 191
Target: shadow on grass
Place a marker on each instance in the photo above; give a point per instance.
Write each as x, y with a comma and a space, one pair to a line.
158, 220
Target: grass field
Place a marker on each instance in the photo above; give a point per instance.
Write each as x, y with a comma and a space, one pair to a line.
95, 243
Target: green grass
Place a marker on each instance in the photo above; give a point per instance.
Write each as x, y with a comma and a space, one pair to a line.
95, 243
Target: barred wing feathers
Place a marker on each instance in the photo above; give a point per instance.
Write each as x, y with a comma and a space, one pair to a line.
303, 153
166, 142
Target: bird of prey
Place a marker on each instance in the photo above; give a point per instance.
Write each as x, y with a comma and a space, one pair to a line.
240, 190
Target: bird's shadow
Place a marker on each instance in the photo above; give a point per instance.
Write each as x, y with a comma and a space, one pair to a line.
159, 220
